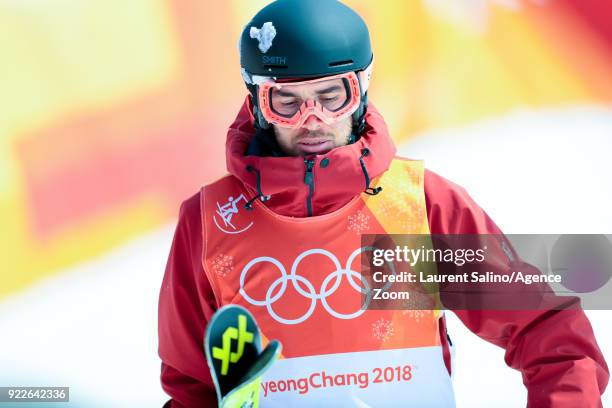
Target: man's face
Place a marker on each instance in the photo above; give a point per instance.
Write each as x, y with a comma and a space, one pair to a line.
314, 136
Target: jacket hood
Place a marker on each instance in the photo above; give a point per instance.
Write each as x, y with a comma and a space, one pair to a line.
283, 183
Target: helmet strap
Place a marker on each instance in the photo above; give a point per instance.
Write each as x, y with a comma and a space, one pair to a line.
359, 122
260, 121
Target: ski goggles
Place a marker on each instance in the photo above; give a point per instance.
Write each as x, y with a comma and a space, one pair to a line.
290, 104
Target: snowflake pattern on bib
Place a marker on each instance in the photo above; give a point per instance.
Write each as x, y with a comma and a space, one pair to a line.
382, 329
359, 222
416, 315
223, 264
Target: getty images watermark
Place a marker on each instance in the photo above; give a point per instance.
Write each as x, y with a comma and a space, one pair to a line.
486, 272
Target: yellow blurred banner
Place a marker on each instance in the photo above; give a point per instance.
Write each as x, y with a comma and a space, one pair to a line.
113, 112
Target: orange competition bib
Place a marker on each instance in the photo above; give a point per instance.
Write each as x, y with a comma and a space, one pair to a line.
301, 279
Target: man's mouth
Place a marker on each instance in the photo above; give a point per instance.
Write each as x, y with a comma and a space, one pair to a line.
315, 146
312, 142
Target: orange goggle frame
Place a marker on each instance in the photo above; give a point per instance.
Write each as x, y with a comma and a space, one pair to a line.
310, 107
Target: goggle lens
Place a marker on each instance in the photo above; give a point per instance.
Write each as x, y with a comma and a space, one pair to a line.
287, 99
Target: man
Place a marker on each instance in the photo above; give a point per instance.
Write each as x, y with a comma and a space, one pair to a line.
312, 167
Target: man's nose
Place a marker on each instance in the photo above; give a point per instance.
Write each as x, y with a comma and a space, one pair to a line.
312, 123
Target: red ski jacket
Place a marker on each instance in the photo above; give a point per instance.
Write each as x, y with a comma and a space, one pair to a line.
556, 351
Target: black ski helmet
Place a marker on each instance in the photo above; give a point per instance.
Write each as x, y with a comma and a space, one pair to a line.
303, 39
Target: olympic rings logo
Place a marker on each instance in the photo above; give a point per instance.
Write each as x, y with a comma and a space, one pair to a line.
327, 287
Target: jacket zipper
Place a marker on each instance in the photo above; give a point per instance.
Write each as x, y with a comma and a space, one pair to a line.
309, 181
